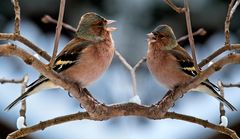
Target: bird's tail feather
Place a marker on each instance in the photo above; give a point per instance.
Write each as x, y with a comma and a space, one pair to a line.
212, 90
16, 101
31, 89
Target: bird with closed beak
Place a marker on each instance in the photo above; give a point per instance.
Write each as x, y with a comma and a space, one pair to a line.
172, 66
83, 59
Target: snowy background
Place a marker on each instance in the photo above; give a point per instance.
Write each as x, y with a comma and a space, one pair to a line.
135, 18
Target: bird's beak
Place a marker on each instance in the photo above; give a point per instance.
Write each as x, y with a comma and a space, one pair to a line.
108, 28
151, 38
150, 35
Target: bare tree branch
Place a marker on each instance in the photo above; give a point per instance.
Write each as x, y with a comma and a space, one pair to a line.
28, 43
58, 32
23, 108
139, 63
227, 24
190, 34
234, 8
130, 68
2, 81
48, 19
200, 32
174, 7
221, 107
84, 115
17, 16
231, 85
217, 53
42, 125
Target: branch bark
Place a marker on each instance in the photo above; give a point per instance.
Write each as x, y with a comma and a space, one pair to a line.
221, 106
84, 115
42, 125
58, 32
23, 108
227, 24
2, 81
26, 42
17, 16
190, 34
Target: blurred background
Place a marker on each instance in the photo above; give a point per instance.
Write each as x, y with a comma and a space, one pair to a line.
135, 18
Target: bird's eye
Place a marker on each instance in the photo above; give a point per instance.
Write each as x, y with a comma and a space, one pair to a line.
99, 24
155, 34
160, 36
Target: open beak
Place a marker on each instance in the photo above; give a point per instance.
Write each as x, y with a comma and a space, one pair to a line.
150, 35
108, 28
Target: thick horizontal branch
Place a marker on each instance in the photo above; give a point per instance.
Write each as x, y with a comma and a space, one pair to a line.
84, 115
13, 37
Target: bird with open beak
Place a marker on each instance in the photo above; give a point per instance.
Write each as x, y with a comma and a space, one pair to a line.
172, 66
84, 59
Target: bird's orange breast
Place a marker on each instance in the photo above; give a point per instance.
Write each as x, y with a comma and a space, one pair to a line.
93, 62
164, 68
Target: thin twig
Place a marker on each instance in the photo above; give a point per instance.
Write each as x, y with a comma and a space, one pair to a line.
190, 38
48, 19
227, 24
231, 85
17, 16
23, 108
130, 68
139, 63
217, 53
234, 8
200, 32
2, 81
174, 7
221, 107
58, 32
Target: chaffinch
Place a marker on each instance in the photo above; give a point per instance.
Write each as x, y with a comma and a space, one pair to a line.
171, 65
83, 59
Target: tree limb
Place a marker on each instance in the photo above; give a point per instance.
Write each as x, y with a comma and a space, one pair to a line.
58, 32
28, 43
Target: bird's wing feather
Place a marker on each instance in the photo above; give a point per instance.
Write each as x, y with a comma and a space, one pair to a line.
39, 80
70, 55
67, 57
187, 65
185, 61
